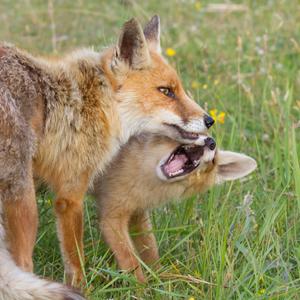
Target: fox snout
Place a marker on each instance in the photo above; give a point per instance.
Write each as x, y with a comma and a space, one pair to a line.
195, 130
193, 122
210, 143
199, 125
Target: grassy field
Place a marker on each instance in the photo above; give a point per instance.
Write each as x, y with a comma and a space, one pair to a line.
238, 241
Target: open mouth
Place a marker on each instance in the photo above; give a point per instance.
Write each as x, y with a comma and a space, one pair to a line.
183, 160
185, 134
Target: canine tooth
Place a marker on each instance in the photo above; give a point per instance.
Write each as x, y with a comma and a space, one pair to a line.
171, 157
187, 147
196, 162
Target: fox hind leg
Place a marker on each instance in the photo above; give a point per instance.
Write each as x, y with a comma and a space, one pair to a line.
16, 183
21, 221
144, 240
116, 234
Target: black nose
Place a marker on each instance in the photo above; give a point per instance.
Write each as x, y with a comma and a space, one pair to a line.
210, 143
209, 121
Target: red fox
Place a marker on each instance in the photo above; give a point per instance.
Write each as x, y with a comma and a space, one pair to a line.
63, 120
151, 171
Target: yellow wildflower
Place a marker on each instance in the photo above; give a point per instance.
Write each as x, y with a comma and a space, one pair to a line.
261, 292
191, 298
170, 52
218, 117
216, 82
221, 117
204, 86
213, 113
195, 84
198, 6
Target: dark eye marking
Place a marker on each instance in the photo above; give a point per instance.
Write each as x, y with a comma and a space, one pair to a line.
167, 92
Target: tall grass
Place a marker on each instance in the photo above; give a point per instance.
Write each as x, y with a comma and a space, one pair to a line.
240, 240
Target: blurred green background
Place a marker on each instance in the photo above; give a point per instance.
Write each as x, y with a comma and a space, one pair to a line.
240, 60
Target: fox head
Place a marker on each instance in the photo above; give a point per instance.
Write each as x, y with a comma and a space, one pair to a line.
197, 167
150, 96
151, 170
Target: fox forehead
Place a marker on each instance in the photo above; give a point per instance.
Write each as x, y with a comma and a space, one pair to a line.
159, 73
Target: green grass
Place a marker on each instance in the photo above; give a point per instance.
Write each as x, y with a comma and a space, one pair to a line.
243, 63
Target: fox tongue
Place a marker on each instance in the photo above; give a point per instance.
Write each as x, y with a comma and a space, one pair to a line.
176, 163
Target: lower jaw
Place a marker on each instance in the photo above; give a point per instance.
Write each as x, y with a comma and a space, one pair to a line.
190, 138
184, 173
185, 135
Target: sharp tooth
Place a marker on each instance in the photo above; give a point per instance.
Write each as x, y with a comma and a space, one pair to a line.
188, 147
196, 162
176, 173
171, 157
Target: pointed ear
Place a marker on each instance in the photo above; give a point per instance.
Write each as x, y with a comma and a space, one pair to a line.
152, 34
232, 166
132, 49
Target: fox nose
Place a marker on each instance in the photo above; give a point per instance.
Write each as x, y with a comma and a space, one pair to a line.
210, 143
208, 121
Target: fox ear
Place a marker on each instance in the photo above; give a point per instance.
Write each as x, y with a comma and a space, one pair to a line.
232, 166
132, 49
152, 33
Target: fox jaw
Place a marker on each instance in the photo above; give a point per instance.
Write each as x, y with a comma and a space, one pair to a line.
186, 160
149, 94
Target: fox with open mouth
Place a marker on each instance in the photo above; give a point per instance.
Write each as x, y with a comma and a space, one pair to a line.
148, 172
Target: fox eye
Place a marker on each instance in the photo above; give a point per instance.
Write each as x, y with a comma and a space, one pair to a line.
167, 91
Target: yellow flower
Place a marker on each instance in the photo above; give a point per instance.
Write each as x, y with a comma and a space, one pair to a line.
204, 86
213, 113
216, 82
198, 6
170, 52
195, 84
221, 117
218, 117
261, 292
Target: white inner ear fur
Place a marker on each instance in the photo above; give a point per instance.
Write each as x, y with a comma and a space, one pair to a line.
233, 165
